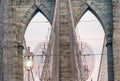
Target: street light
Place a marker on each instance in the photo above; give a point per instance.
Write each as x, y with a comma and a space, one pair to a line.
28, 61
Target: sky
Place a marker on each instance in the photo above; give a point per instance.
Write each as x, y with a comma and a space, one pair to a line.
88, 29
37, 31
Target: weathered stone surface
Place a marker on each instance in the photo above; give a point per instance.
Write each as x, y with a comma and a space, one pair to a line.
116, 38
1, 40
16, 14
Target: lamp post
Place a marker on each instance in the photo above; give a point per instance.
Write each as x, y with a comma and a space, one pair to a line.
28, 61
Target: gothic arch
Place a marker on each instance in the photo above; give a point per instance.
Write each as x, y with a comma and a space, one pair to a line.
103, 12
26, 18
25, 11
88, 8
29, 14
104, 17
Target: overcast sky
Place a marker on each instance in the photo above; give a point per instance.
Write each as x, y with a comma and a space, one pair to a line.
89, 30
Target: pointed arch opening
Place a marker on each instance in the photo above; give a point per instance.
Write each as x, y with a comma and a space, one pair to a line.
38, 30
89, 30
36, 37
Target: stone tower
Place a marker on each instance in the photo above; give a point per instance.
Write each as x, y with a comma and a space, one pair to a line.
63, 16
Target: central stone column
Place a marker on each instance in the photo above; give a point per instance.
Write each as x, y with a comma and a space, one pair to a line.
64, 40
